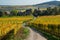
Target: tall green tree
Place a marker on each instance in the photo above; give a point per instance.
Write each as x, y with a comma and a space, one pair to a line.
13, 12
1, 13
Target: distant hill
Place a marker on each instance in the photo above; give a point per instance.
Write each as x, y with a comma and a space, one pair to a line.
48, 4
19, 7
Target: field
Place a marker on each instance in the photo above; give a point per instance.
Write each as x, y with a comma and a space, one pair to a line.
47, 20
10, 23
50, 24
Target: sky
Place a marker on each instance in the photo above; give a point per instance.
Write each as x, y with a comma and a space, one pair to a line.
23, 2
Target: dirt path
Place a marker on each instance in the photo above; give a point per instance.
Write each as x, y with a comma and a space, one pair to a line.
34, 35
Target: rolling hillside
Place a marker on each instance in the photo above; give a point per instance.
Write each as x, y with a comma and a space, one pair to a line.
48, 4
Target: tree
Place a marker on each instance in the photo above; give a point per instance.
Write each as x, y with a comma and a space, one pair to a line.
28, 11
20, 14
55, 10
59, 10
45, 12
1, 13
49, 10
37, 13
13, 13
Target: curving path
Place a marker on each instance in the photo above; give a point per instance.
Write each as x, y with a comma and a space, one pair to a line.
34, 35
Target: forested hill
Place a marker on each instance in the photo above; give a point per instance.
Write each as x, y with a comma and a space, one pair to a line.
48, 4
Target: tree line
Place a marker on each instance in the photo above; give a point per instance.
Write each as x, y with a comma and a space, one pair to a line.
36, 12
15, 13
49, 11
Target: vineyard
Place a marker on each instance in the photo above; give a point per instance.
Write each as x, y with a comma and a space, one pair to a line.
10, 23
50, 24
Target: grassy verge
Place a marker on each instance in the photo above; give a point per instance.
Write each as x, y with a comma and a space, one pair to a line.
21, 35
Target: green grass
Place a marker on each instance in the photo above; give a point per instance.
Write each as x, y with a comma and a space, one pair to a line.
14, 16
21, 36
